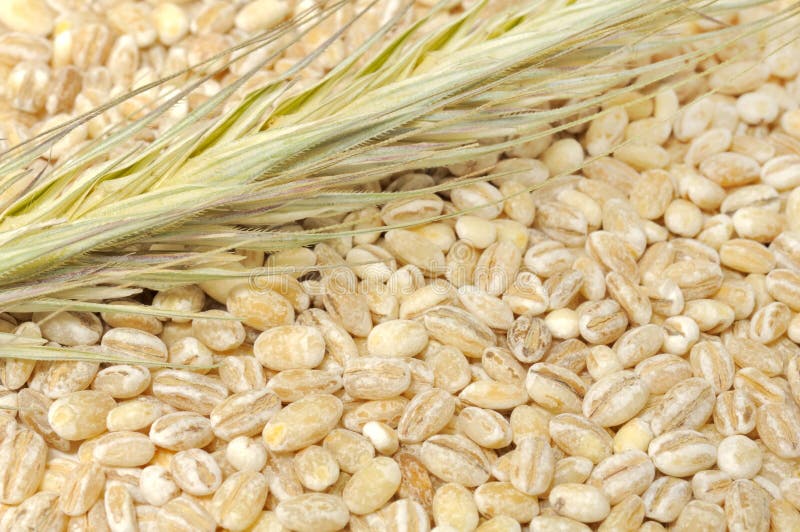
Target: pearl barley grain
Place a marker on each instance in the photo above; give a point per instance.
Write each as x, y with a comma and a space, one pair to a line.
739, 456
683, 218
246, 454
564, 155
563, 323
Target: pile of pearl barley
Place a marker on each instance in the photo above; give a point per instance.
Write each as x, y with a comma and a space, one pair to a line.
617, 351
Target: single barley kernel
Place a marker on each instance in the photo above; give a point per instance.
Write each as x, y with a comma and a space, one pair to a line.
642, 156
779, 429
39, 512
529, 420
638, 344
562, 323
580, 502
622, 475
501, 498
119, 506
782, 172
734, 413
497, 266
747, 256
683, 218
184, 513
70, 328
665, 498
784, 286
82, 489
520, 208
710, 315
458, 328
382, 436
758, 386
680, 334
186, 390
58, 378
783, 516
316, 468
682, 453
80, 415
630, 297
376, 378
302, 423
601, 322
388, 411
493, 311
135, 414
184, 299
577, 436
572, 469
739, 456
594, 284
195, 472
135, 343
454, 507
555, 388
711, 361
190, 351
548, 258
562, 222
563, 156
711, 142
372, 486
290, 347
219, 334
615, 399
243, 413
32, 408
149, 324
22, 459
687, 405
122, 381
570, 354
520, 169
313, 512
626, 515
533, 465
260, 15
294, 384
770, 322
454, 458
157, 486
451, 369
747, 507
179, 431
123, 449
485, 427
602, 361
691, 120
636, 434
699, 515
239, 500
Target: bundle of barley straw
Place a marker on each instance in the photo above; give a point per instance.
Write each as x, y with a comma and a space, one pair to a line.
375, 265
